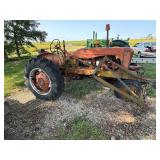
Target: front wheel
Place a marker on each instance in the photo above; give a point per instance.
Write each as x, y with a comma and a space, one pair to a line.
44, 79
134, 85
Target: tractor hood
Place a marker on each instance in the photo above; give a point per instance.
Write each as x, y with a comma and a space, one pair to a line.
123, 53
99, 52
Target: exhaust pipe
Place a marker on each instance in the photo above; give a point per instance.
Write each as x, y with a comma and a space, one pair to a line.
107, 29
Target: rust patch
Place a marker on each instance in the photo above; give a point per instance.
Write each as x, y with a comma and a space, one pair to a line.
56, 59
100, 52
42, 81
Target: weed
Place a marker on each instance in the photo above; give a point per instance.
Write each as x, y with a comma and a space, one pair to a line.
78, 129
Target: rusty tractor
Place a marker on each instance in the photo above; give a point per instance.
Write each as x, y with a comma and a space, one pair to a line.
45, 74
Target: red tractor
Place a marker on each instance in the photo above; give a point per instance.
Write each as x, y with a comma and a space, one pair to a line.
45, 74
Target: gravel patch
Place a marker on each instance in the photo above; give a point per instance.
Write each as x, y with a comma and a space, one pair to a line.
29, 118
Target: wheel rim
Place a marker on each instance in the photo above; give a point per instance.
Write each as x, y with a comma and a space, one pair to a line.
40, 81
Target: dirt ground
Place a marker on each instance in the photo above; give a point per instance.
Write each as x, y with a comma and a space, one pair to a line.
29, 118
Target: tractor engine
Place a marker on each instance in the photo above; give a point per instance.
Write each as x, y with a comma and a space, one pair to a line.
93, 63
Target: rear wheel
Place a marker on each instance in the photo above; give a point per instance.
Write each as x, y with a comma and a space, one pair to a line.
44, 79
134, 85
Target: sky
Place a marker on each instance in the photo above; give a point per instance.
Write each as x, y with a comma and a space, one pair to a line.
83, 29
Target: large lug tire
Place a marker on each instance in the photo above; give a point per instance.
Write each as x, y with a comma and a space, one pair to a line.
132, 84
44, 79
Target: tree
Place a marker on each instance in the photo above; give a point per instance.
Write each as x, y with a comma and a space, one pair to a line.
19, 33
8, 48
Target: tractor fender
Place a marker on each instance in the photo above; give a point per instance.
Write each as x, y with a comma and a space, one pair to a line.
56, 59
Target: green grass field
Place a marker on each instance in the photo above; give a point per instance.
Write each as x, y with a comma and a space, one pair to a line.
132, 42
71, 45
13, 76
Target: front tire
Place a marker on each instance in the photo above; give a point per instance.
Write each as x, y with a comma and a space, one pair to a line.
44, 79
134, 85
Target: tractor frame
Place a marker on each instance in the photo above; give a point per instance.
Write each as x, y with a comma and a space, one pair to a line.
100, 63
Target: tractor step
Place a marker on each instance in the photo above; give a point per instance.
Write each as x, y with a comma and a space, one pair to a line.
143, 60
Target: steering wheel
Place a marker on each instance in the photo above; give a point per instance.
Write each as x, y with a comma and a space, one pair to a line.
55, 45
55, 48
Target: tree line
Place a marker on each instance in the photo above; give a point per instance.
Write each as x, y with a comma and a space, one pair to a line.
18, 33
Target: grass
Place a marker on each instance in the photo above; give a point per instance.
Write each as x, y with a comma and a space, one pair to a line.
80, 88
132, 42
32, 51
79, 129
150, 72
13, 75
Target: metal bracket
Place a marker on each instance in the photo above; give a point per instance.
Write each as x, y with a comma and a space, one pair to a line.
133, 97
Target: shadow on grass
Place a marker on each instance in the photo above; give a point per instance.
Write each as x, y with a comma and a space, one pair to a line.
80, 88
